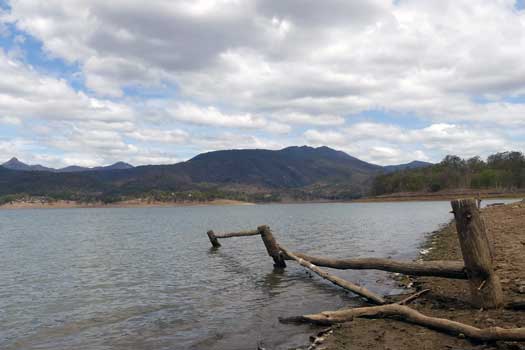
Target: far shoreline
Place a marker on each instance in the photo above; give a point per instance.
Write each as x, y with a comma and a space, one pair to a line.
141, 203
62, 204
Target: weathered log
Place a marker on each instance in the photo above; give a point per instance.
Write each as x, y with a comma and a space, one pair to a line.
484, 284
213, 239
239, 234
437, 268
271, 246
365, 293
406, 314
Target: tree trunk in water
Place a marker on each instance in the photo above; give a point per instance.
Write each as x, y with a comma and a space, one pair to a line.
213, 239
271, 246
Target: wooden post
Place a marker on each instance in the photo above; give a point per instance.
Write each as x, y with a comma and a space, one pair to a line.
485, 286
271, 246
214, 241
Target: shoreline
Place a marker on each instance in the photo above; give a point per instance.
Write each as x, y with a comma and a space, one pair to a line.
62, 204
450, 298
137, 203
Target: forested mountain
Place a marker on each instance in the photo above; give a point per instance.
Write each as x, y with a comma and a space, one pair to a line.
299, 172
504, 171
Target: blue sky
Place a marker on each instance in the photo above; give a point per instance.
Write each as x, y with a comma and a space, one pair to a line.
94, 82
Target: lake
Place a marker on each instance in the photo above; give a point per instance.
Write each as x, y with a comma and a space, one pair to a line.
146, 278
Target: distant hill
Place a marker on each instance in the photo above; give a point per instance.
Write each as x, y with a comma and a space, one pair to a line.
250, 174
15, 164
416, 164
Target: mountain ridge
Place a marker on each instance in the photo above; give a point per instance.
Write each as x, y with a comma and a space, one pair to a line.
298, 172
15, 164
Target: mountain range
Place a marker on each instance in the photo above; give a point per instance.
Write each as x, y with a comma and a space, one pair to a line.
319, 172
15, 164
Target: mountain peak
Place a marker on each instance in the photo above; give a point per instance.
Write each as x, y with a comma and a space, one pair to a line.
13, 160
15, 164
116, 166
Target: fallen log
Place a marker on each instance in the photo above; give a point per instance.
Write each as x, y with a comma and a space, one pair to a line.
239, 234
437, 268
214, 237
365, 293
406, 314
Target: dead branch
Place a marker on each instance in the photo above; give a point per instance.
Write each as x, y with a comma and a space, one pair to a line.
406, 314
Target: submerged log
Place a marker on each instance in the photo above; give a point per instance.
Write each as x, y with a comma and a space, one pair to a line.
361, 291
406, 314
271, 246
484, 284
449, 269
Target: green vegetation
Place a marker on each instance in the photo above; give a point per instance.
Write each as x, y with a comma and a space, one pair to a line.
502, 171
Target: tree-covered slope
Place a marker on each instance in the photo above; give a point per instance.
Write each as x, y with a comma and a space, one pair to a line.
504, 171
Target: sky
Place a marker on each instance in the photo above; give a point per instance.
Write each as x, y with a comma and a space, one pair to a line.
92, 82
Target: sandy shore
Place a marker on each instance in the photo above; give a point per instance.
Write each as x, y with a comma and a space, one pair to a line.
125, 204
450, 298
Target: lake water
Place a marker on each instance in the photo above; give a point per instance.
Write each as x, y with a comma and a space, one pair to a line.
146, 278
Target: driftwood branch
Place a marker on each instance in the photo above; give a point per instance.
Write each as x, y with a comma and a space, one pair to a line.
365, 293
406, 314
413, 297
437, 268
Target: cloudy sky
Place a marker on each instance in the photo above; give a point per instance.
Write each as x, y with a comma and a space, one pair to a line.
91, 82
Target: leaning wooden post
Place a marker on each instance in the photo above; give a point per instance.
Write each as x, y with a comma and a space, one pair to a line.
271, 246
485, 286
214, 241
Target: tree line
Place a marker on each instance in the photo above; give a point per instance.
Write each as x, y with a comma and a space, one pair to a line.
502, 171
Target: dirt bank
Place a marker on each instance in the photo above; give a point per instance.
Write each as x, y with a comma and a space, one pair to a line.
442, 195
137, 203
450, 298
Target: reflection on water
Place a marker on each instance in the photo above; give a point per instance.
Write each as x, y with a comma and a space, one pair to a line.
147, 278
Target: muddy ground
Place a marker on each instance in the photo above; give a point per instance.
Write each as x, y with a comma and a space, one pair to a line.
450, 298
